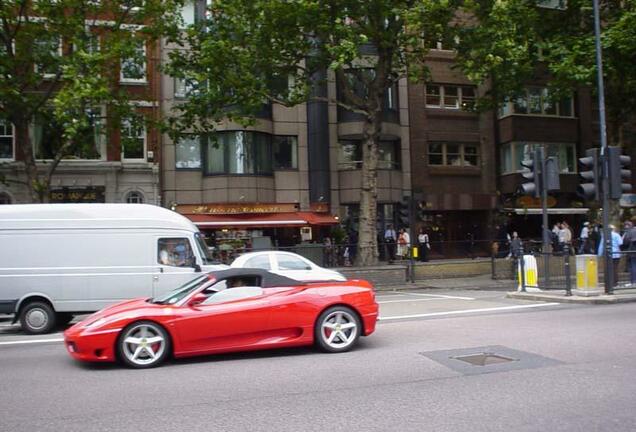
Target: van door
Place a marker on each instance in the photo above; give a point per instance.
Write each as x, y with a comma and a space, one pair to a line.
175, 262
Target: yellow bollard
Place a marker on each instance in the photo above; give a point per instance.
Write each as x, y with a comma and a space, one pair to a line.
592, 273
415, 252
580, 279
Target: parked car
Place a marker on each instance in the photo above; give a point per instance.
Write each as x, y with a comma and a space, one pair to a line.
288, 264
225, 311
58, 260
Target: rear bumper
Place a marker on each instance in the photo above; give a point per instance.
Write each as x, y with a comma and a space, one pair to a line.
369, 318
91, 347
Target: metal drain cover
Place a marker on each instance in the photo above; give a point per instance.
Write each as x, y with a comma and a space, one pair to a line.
488, 359
484, 359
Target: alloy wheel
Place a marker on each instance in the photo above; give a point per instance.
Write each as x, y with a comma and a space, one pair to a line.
339, 330
144, 345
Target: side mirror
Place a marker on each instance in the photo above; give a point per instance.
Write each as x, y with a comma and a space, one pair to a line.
196, 299
196, 267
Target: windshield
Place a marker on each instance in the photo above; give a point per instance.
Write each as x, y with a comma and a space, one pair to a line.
174, 296
206, 255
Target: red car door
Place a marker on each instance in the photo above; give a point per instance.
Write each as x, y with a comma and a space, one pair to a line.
224, 325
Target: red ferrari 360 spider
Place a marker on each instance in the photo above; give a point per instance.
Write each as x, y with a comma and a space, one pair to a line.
229, 310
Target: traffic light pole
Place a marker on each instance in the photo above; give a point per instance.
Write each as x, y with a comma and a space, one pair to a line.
607, 235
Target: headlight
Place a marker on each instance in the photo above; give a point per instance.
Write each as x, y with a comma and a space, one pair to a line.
96, 323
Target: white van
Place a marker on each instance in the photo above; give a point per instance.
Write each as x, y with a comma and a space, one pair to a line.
57, 260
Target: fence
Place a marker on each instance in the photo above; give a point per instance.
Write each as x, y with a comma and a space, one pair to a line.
557, 270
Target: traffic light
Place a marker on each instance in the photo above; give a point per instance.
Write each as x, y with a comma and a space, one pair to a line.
620, 175
590, 173
403, 211
532, 174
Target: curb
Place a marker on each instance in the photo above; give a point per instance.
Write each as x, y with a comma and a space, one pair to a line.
601, 299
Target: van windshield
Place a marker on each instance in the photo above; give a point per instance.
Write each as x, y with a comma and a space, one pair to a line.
176, 295
206, 255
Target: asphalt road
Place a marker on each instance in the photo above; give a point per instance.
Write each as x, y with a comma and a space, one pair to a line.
571, 369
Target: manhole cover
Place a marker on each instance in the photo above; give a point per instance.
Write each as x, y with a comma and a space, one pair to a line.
484, 359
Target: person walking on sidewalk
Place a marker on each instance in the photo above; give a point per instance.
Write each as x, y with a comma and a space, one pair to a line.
617, 241
404, 241
584, 239
629, 242
389, 240
423, 244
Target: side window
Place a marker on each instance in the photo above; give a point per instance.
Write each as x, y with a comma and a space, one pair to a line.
175, 252
238, 293
291, 263
259, 261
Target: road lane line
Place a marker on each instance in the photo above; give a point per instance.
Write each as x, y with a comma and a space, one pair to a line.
419, 300
465, 311
440, 295
31, 341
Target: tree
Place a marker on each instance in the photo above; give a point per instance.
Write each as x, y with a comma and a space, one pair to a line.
58, 67
515, 41
243, 51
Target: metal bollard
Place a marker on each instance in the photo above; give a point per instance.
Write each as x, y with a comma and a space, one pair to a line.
568, 278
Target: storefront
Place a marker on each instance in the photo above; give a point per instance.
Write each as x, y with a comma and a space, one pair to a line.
231, 229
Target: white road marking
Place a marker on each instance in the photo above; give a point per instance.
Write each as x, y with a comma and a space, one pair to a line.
418, 300
465, 311
440, 295
31, 341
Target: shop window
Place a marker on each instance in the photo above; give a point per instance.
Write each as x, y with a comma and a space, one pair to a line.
188, 152
453, 154
133, 67
133, 139
135, 197
174, 252
285, 152
88, 144
5, 198
7, 143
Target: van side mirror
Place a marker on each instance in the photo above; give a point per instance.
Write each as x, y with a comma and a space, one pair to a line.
196, 267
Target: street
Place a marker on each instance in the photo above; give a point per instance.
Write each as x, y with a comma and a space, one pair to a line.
571, 368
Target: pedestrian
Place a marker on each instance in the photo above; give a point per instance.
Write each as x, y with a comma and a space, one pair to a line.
515, 245
567, 236
403, 244
423, 244
555, 237
389, 240
617, 241
629, 243
594, 238
584, 239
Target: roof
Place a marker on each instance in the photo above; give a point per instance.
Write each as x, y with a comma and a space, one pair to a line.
268, 279
82, 216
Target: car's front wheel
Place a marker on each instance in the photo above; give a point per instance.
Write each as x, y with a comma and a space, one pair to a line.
337, 329
143, 344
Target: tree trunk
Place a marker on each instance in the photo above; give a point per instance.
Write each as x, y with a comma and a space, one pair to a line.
25, 150
367, 236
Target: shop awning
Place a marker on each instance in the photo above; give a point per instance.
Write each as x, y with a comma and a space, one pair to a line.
551, 211
262, 220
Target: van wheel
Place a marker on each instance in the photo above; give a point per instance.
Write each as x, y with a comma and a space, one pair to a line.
64, 318
37, 318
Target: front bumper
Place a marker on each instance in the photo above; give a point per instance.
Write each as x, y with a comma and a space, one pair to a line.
97, 346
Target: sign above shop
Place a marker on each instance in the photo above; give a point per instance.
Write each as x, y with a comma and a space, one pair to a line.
320, 207
532, 202
628, 200
89, 194
225, 209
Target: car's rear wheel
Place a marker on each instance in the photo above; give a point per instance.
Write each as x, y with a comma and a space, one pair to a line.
37, 317
143, 344
337, 329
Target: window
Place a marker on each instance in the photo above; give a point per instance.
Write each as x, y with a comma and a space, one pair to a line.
450, 96
135, 197
133, 68
5, 198
6, 140
513, 153
233, 294
184, 88
259, 261
47, 55
350, 154
538, 101
188, 152
285, 152
453, 154
553, 4
88, 144
286, 262
133, 139
239, 152
175, 252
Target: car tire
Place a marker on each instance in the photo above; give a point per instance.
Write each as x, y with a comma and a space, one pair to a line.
64, 318
143, 344
337, 329
37, 317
